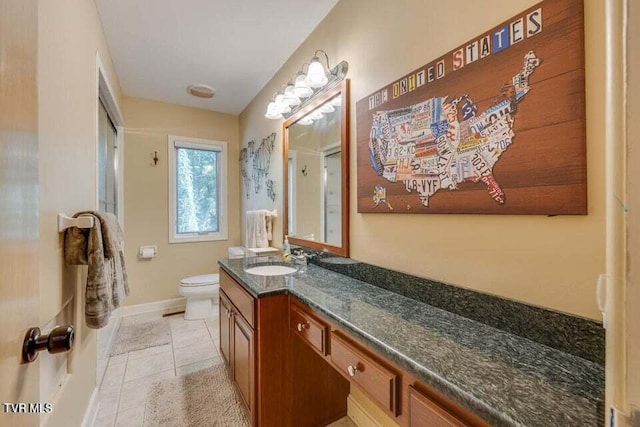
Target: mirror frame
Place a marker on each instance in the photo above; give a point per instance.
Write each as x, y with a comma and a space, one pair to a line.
341, 88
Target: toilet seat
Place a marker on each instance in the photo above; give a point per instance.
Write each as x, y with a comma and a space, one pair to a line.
201, 280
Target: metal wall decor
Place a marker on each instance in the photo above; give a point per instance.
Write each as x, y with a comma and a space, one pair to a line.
255, 166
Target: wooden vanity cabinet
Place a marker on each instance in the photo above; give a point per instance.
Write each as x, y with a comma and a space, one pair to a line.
237, 344
292, 367
280, 380
309, 328
243, 361
406, 400
423, 411
225, 312
377, 379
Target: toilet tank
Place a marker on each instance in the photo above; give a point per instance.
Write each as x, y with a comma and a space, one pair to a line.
236, 252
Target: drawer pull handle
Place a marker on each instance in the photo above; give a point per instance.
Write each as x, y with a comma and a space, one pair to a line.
302, 326
353, 370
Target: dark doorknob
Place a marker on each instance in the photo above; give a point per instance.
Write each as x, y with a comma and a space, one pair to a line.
59, 340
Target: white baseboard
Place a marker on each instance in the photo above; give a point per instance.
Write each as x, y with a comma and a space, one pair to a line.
359, 415
91, 413
165, 306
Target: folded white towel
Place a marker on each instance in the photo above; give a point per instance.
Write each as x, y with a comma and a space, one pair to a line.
256, 229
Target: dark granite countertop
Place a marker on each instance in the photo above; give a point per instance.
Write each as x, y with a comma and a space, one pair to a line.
504, 378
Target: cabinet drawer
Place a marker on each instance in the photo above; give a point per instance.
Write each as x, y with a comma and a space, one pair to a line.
238, 296
308, 327
377, 380
425, 412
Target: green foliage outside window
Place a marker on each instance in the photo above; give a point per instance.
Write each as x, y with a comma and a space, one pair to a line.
197, 191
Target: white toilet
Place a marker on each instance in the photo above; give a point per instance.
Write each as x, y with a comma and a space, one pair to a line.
201, 291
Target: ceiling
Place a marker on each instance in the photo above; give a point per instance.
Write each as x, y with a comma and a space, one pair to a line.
159, 47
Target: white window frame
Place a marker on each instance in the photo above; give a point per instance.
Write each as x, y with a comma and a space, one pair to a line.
203, 144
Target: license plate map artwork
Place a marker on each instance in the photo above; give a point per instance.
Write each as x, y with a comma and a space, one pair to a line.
495, 126
440, 143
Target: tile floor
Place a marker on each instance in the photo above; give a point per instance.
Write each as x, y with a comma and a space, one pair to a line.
194, 346
123, 393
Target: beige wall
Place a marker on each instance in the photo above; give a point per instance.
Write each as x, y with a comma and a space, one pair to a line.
70, 36
148, 123
552, 262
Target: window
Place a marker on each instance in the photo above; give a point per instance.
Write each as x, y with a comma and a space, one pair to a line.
197, 190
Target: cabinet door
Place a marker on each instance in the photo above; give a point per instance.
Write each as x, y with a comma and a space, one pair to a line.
243, 362
425, 412
225, 316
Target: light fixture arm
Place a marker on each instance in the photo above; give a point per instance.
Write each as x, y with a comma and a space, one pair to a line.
315, 55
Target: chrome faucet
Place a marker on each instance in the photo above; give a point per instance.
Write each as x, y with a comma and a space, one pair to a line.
300, 257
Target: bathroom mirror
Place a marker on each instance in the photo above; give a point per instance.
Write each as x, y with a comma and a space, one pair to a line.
316, 173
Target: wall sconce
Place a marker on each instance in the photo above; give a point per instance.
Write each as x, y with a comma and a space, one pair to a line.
304, 86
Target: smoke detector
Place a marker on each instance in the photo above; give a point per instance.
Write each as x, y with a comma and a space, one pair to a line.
201, 91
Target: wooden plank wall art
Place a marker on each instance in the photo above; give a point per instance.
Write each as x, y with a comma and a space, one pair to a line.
497, 126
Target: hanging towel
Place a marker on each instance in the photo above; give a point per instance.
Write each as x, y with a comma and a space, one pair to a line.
268, 219
100, 248
256, 230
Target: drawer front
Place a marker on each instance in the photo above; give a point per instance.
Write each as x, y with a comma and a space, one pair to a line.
425, 412
238, 296
311, 329
379, 382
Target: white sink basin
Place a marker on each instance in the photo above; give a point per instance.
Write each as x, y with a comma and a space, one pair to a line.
270, 270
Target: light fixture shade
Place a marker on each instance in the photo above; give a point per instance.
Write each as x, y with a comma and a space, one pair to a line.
290, 97
337, 101
272, 112
305, 121
316, 76
281, 105
301, 88
327, 108
316, 115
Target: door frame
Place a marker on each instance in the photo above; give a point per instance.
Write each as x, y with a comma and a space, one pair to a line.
105, 92
327, 150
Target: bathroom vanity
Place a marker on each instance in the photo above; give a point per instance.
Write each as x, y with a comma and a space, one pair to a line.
294, 343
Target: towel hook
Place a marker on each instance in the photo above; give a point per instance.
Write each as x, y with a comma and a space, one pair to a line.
65, 222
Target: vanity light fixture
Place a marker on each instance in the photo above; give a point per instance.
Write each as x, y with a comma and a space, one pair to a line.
305, 121
290, 98
316, 115
316, 75
318, 78
281, 105
273, 112
327, 108
300, 86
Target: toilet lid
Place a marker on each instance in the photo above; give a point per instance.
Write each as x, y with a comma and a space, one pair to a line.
202, 280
